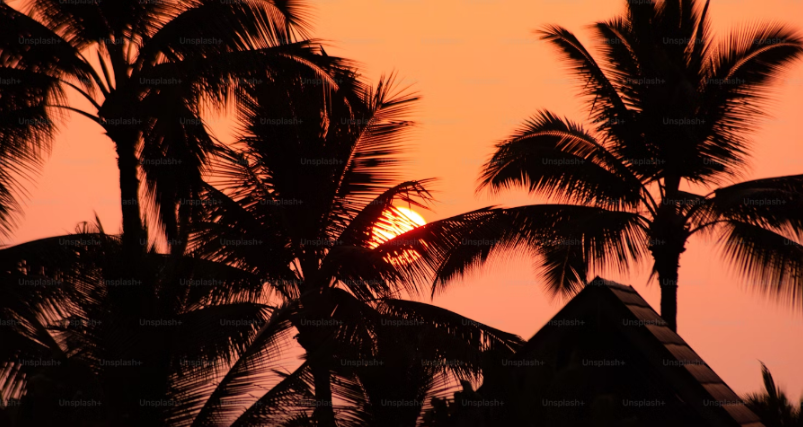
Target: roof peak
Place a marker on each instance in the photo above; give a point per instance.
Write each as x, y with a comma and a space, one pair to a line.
599, 281
624, 312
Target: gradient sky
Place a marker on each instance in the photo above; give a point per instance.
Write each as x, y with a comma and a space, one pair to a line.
481, 72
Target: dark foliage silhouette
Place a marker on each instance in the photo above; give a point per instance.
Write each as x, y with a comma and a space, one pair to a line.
85, 348
202, 338
195, 343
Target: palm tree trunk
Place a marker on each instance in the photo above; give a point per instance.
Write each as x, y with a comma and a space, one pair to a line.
668, 234
315, 340
324, 414
133, 231
667, 265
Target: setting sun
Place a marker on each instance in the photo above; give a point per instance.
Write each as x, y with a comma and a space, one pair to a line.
395, 221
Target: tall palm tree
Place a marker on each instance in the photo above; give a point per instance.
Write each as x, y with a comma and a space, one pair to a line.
670, 111
298, 202
144, 71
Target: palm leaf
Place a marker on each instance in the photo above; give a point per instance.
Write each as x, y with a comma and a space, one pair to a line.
559, 159
608, 110
771, 262
283, 403
737, 74
218, 402
774, 203
228, 27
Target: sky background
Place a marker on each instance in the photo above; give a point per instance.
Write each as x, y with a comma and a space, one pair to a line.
481, 72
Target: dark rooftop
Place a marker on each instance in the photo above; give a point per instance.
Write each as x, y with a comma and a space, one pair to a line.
607, 358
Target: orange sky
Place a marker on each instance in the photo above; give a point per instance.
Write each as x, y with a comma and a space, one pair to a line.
481, 72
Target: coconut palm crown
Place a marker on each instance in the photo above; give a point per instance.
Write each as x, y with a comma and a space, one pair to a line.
145, 72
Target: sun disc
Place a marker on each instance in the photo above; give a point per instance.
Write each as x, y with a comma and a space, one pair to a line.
394, 222
413, 216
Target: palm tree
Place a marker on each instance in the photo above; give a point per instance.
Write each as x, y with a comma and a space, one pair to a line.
772, 405
298, 201
145, 71
670, 113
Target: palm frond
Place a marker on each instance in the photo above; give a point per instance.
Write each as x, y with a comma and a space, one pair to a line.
81, 23
364, 272
433, 250
559, 159
382, 127
283, 404
227, 27
219, 332
573, 239
27, 44
470, 333
207, 283
608, 110
769, 261
42, 284
175, 150
27, 129
775, 203
702, 44
359, 231
618, 46
111, 25
734, 89
218, 76
246, 234
221, 401
333, 153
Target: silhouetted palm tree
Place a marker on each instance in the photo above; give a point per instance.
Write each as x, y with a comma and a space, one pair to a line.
772, 405
145, 71
670, 111
297, 203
